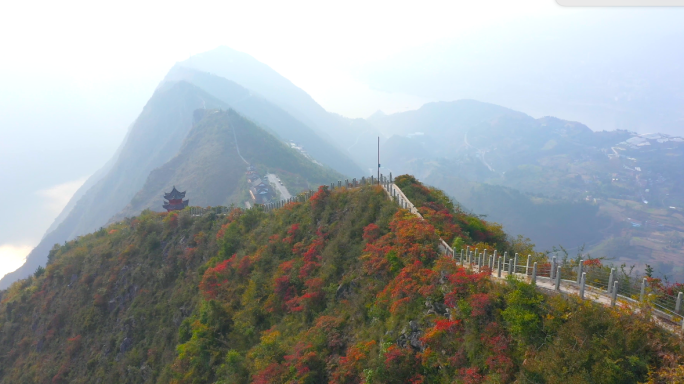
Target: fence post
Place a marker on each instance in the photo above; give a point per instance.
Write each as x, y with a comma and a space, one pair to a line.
579, 271
527, 266
613, 298
678, 306
534, 273
498, 269
484, 258
611, 279
515, 265
510, 266
552, 272
558, 277
643, 290
461, 259
582, 282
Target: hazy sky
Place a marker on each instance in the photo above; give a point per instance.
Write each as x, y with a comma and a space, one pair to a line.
75, 74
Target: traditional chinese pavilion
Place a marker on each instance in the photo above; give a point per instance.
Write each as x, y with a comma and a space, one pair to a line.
175, 200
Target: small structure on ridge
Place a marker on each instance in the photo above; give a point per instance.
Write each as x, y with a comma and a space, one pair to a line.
175, 200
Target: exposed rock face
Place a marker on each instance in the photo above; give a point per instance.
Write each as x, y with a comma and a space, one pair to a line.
411, 337
126, 345
436, 308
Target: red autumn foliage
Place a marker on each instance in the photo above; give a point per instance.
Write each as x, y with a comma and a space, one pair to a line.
312, 256
401, 363
479, 303
447, 325
302, 362
412, 282
319, 197
371, 232
283, 288
443, 220
350, 367
415, 239
271, 374
471, 375
291, 232
214, 278
592, 263
461, 284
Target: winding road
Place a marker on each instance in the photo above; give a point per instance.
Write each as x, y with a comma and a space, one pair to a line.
284, 193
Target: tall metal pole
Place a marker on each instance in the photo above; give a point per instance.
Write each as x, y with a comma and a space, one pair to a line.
378, 159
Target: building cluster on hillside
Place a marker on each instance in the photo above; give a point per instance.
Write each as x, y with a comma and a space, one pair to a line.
259, 189
639, 141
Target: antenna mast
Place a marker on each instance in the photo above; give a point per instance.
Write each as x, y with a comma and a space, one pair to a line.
378, 159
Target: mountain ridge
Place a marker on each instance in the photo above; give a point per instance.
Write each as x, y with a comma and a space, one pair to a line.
209, 167
271, 117
346, 134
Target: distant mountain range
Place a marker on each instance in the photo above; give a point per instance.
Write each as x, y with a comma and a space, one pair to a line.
558, 182
554, 181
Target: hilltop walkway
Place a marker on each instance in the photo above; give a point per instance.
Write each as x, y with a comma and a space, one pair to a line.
499, 271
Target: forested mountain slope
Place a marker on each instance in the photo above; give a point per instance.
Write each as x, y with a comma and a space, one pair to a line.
355, 137
344, 288
212, 172
269, 116
155, 137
